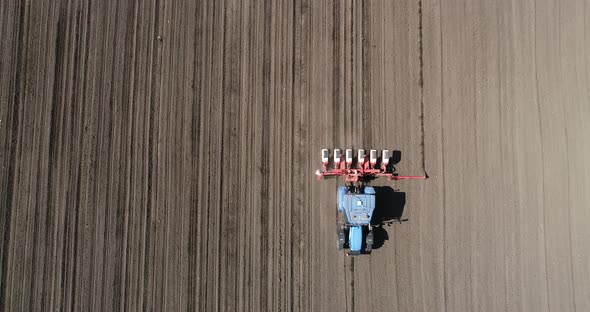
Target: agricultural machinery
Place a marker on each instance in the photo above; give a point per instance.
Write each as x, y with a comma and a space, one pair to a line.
356, 199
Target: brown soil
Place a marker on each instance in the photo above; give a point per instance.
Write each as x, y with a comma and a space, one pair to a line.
160, 155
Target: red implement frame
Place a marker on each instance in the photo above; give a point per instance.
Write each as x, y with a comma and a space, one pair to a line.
361, 172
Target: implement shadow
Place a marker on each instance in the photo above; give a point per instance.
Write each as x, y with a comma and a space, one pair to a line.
389, 208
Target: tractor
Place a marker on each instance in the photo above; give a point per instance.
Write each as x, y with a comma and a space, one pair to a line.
356, 199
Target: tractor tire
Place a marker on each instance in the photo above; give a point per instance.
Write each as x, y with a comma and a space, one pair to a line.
341, 238
369, 242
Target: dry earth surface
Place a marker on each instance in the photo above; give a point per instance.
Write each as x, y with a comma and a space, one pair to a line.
160, 155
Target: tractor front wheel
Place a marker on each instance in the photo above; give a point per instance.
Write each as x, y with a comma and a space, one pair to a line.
369, 241
341, 238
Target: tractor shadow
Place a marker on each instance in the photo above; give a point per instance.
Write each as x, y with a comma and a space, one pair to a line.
389, 208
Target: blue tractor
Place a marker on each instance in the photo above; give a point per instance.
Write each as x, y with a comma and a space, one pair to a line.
356, 201
357, 206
